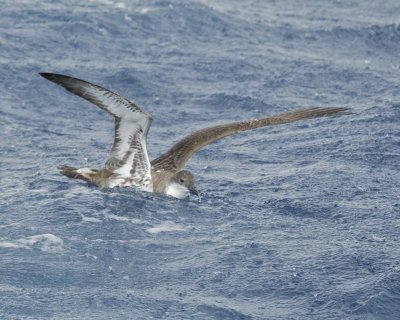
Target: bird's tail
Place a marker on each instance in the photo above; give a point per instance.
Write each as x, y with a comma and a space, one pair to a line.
75, 173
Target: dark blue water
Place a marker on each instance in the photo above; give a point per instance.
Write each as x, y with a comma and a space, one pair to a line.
300, 221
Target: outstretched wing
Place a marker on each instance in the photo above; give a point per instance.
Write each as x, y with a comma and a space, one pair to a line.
128, 158
175, 158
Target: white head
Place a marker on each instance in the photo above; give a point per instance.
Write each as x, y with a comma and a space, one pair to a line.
181, 185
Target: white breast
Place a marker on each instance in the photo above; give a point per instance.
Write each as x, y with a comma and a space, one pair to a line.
176, 190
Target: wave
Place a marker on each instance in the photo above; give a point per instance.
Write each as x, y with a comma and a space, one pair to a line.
386, 37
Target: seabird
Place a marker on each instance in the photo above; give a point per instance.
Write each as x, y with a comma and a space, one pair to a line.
128, 163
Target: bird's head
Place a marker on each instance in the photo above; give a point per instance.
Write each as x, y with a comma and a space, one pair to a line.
181, 185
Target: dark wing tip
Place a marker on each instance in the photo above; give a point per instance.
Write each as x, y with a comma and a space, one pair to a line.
46, 74
55, 77
49, 75
339, 111
328, 111
71, 84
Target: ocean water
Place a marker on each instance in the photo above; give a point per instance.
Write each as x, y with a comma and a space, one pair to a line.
299, 221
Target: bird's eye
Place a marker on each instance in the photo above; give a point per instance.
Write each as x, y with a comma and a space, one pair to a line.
181, 180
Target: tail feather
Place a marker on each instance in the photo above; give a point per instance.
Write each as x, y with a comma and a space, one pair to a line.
73, 173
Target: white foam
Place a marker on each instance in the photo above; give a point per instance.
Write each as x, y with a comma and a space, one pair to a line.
145, 10
167, 226
110, 216
45, 242
115, 4
90, 219
122, 218
117, 218
120, 5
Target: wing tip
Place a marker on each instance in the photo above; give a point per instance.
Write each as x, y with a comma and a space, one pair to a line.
46, 75
330, 111
54, 77
341, 110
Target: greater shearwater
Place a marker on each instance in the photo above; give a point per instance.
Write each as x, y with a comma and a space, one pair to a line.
128, 162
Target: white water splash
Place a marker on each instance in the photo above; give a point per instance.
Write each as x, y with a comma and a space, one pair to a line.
167, 226
45, 242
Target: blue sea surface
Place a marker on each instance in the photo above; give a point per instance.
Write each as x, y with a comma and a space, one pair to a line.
298, 221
